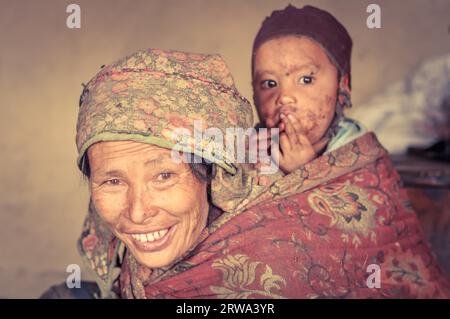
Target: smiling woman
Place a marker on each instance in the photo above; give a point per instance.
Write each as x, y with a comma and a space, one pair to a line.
133, 186
148, 209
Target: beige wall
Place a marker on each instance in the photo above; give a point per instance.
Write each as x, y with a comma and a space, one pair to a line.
42, 65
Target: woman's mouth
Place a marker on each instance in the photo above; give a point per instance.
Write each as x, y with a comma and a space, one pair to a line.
155, 240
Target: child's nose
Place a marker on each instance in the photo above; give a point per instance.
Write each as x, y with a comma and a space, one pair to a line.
286, 97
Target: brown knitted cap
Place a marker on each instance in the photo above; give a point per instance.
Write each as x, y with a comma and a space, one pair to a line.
317, 24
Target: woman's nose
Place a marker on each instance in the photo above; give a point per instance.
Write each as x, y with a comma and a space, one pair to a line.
141, 206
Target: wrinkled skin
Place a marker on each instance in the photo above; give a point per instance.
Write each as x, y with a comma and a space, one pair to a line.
137, 189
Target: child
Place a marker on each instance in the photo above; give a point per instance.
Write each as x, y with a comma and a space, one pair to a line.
301, 84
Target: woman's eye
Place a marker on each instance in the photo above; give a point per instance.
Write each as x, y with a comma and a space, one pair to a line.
164, 176
306, 80
112, 181
267, 84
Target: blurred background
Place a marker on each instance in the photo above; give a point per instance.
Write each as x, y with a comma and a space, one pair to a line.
401, 76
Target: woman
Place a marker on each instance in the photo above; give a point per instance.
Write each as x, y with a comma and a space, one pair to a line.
149, 205
161, 228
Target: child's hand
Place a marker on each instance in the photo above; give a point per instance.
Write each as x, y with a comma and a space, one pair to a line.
259, 145
294, 149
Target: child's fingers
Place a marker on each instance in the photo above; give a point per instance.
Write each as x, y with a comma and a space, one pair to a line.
290, 131
285, 143
296, 128
275, 152
265, 134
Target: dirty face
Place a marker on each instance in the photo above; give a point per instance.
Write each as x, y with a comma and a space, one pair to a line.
156, 206
293, 75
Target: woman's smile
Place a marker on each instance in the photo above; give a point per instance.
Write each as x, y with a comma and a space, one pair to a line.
153, 241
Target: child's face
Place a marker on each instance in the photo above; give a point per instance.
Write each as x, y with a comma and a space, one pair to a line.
293, 75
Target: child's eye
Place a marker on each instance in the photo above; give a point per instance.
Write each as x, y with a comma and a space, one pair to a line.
306, 80
267, 84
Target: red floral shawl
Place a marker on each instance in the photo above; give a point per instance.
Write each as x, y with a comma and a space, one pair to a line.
328, 230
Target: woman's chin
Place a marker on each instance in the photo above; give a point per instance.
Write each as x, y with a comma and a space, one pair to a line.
153, 261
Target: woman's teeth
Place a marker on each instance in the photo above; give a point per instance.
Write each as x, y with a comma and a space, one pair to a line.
150, 236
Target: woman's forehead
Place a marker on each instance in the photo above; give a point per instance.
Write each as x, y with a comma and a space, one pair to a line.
110, 150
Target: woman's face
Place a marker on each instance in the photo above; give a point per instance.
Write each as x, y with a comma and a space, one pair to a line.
293, 75
157, 207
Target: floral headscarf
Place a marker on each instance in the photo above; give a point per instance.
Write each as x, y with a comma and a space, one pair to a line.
146, 96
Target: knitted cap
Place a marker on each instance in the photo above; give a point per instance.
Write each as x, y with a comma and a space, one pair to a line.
317, 24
